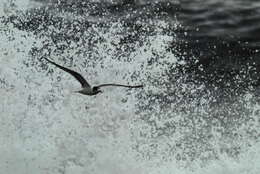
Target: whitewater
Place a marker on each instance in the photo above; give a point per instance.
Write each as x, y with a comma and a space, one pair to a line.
171, 126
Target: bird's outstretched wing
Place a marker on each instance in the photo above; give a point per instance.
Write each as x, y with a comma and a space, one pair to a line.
113, 84
76, 75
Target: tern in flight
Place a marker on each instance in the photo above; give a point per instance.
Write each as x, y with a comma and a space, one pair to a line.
86, 88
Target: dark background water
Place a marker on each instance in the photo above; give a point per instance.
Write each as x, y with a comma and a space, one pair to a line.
223, 35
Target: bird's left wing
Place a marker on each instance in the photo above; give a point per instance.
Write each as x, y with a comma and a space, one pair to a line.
75, 74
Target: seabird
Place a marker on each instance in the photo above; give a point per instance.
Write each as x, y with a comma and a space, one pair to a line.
86, 88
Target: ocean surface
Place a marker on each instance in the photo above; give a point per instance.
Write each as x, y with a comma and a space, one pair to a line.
199, 110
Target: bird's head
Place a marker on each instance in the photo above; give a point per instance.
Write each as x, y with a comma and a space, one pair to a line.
96, 90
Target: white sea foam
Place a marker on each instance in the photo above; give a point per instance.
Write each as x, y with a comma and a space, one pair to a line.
46, 128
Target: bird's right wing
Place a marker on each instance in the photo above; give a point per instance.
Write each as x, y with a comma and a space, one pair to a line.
75, 74
119, 85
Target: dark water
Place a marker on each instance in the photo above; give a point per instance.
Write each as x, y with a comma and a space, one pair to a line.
223, 35
217, 41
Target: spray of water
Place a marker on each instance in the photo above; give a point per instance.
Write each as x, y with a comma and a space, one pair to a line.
173, 125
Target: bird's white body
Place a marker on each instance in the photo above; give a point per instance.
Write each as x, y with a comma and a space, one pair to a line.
88, 91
